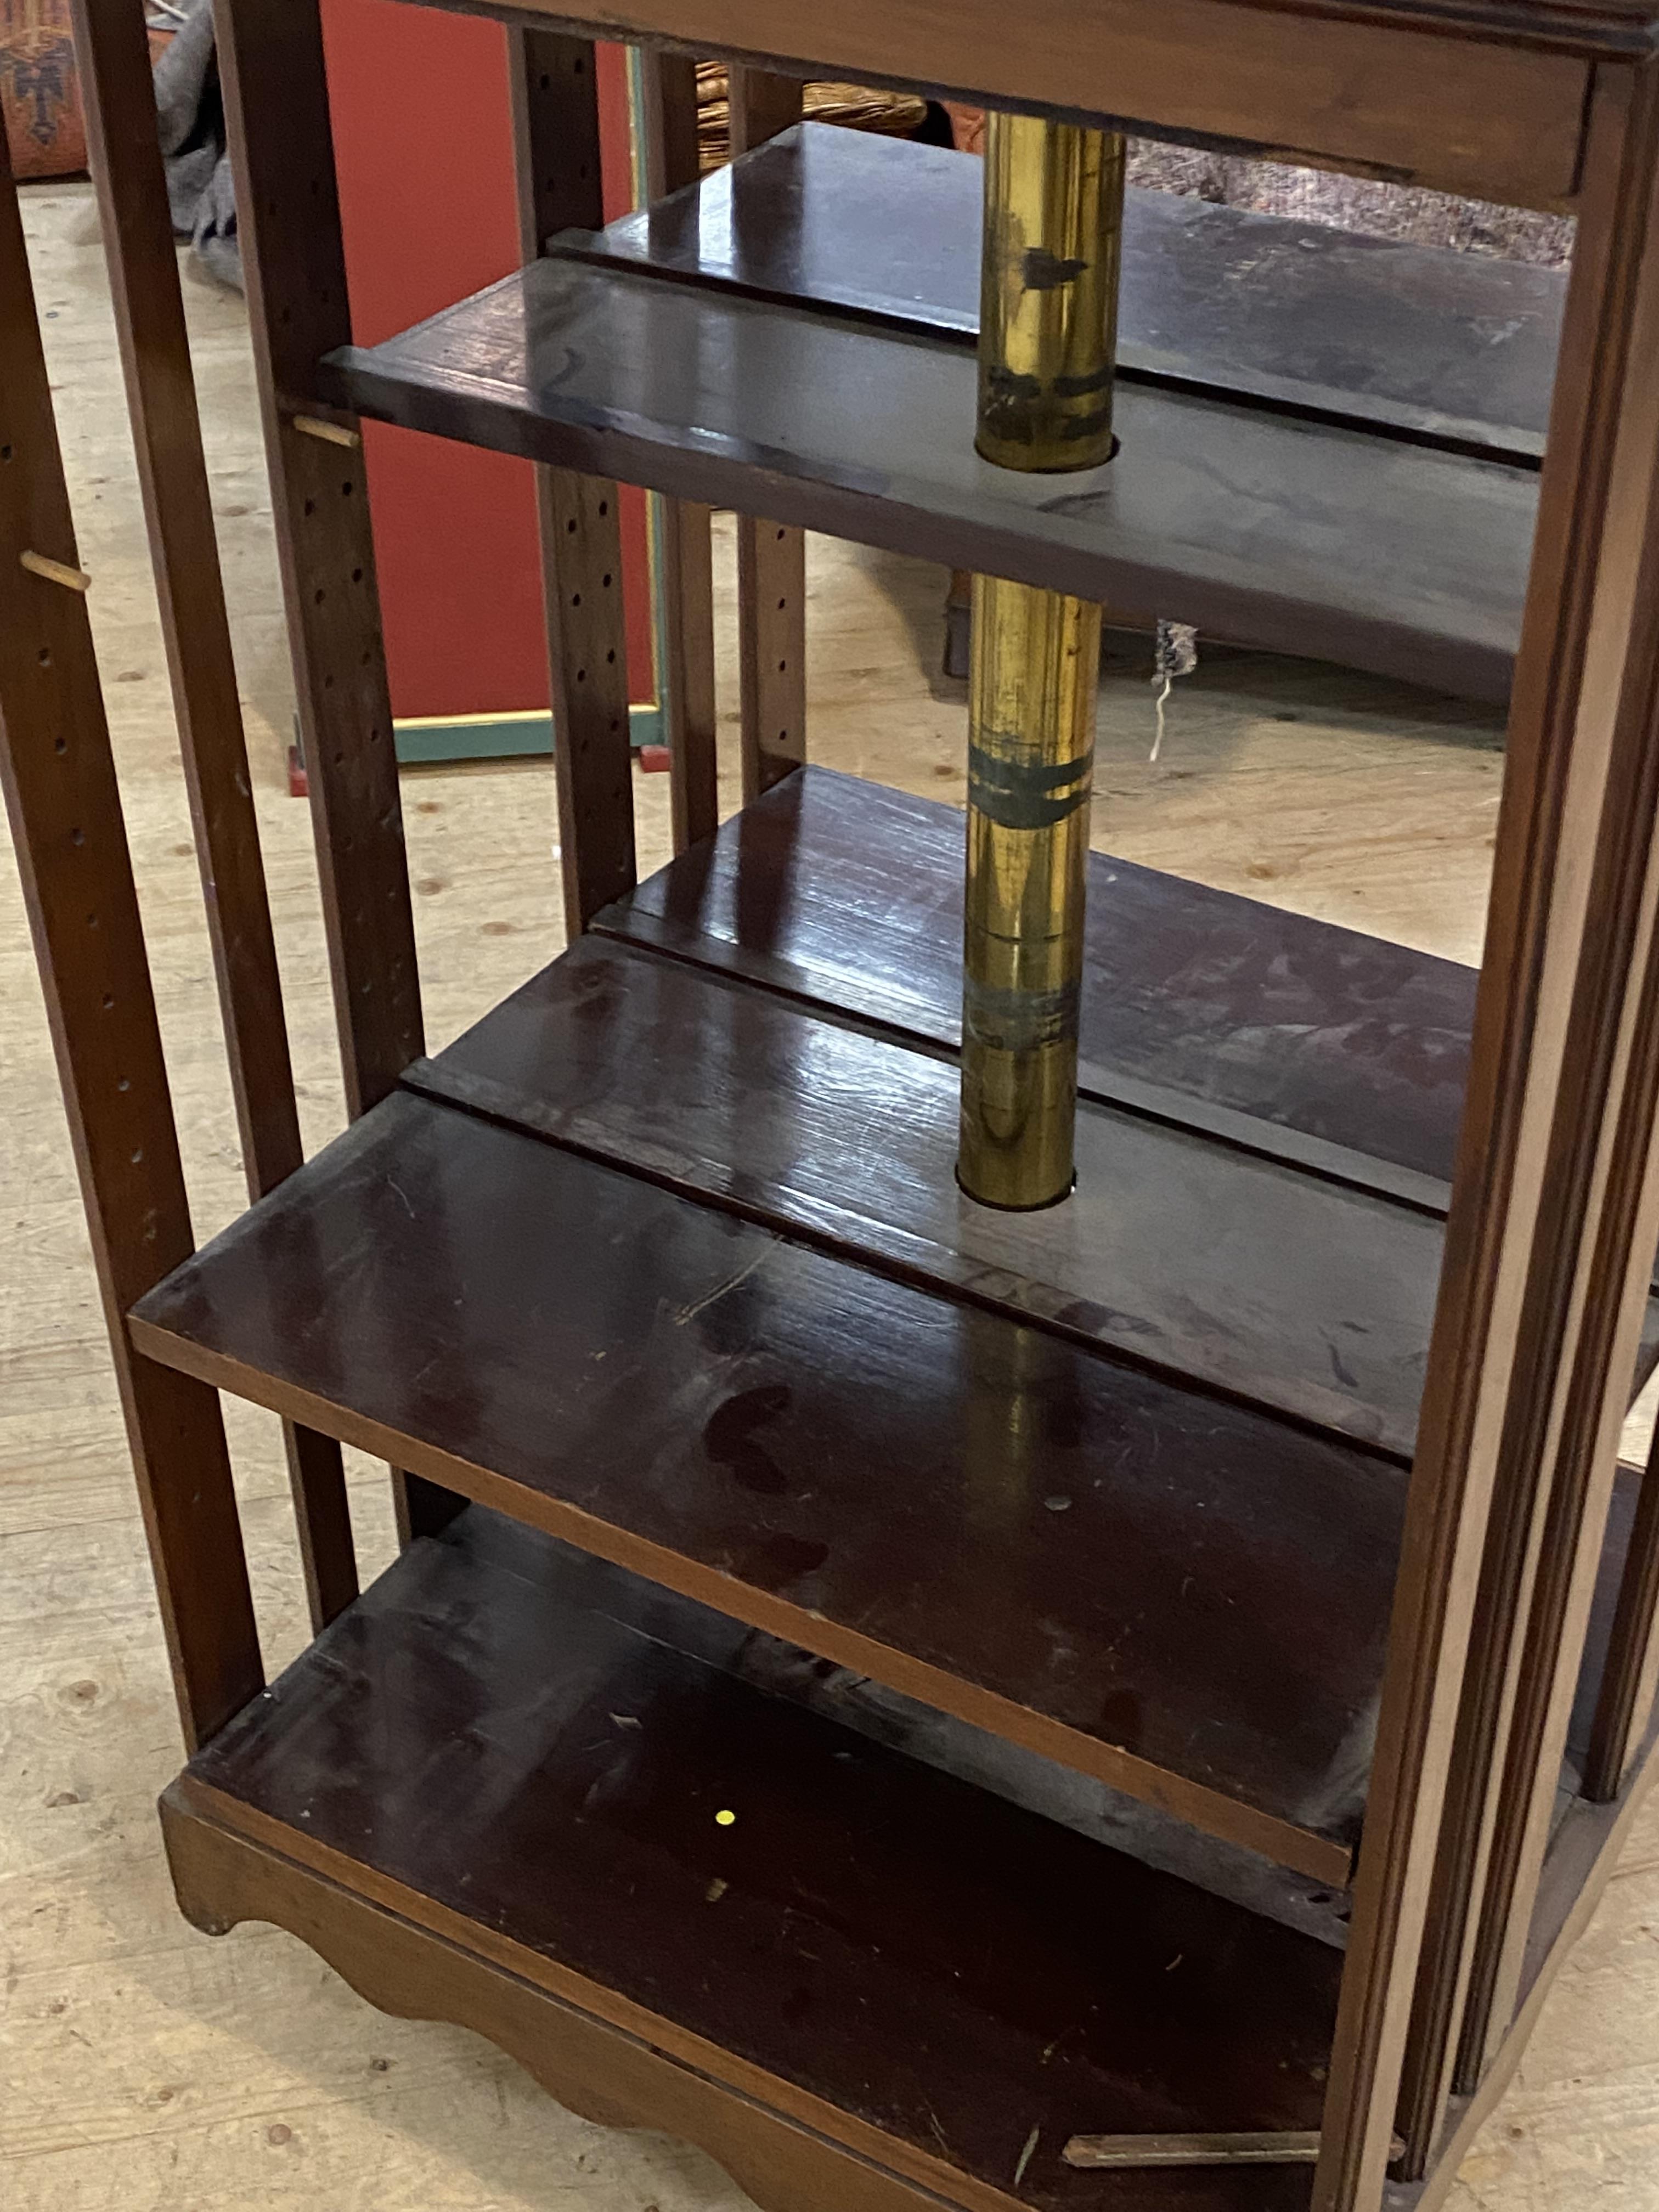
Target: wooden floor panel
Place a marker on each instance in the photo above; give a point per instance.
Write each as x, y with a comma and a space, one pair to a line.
726, 1873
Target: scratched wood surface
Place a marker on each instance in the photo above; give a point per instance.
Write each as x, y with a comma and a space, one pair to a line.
153, 2071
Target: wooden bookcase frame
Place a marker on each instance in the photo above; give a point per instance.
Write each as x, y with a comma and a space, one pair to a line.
1555, 1204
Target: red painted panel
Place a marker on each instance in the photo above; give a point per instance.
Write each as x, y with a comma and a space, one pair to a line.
424, 148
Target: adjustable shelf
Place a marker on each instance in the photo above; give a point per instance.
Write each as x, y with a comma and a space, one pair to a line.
1234, 519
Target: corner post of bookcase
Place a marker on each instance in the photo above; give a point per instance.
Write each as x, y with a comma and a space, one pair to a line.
670, 163
555, 128
1544, 1275
288, 220
73, 858
771, 557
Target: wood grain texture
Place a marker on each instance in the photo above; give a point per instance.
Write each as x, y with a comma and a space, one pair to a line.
1213, 1266
121, 135
557, 136
65, 810
1226, 516
1445, 347
1604, 1173
579, 1845
669, 127
1403, 99
771, 558
287, 222
832, 1457
1517, 1238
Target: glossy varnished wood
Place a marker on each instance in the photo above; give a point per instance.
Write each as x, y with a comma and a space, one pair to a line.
1525, 1353
1221, 1266
1343, 1053
555, 116
62, 797
287, 222
1441, 346
1181, 1589
1382, 90
669, 135
771, 558
117, 95
909, 1967
1234, 519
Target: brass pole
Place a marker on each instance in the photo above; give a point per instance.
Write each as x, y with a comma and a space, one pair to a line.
1053, 210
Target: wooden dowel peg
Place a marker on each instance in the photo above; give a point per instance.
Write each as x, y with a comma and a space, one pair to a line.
335, 434
56, 572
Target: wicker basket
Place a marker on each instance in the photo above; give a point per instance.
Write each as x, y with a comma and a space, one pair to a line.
857, 106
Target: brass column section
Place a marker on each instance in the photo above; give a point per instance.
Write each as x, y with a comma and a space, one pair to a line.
1053, 212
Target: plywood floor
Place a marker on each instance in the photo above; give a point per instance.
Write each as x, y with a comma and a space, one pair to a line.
145, 2066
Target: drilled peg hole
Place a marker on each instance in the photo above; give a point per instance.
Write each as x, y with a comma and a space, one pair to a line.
581, 676
782, 665
60, 745
5, 452
45, 656
610, 658
604, 581
109, 1002
782, 604
137, 1155
311, 507
357, 575
77, 836
546, 83
605, 507
320, 595
575, 598
782, 534
570, 527
123, 1083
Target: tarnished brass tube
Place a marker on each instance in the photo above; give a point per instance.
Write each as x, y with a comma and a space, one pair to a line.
1054, 199
1048, 282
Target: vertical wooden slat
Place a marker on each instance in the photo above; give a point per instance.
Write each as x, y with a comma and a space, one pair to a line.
288, 218
771, 559
1631, 1674
118, 96
65, 810
669, 125
1512, 1239
1599, 313
288, 222
1615, 1047
557, 133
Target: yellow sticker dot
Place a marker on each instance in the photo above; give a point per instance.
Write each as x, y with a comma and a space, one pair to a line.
724, 1820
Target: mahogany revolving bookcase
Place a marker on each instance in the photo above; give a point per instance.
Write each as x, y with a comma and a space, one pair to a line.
1121, 1708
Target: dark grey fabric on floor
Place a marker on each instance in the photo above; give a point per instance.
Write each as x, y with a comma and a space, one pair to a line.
199, 187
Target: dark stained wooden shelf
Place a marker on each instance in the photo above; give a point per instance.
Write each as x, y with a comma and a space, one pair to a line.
1445, 347
1343, 1054
1193, 1597
1235, 518
492, 1747
1210, 1264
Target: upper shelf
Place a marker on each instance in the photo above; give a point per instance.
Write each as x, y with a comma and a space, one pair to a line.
1441, 346
1298, 537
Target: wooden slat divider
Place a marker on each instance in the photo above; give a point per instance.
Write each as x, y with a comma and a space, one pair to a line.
670, 129
771, 558
118, 97
66, 808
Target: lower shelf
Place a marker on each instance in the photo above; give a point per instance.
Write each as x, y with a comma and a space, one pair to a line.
496, 1745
